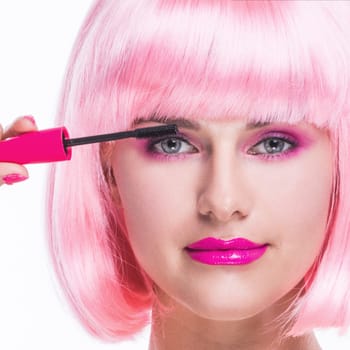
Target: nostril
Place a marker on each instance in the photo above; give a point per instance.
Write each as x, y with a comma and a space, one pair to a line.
221, 216
226, 193
214, 207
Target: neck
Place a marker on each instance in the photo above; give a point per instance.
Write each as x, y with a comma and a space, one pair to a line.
181, 329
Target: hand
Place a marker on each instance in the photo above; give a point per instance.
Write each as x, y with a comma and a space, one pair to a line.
11, 173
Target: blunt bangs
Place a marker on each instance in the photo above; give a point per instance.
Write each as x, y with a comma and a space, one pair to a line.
202, 61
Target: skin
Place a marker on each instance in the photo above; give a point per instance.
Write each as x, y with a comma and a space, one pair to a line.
221, 184
221, 307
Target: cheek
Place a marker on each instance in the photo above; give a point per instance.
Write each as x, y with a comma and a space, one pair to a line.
152, 196
296, 201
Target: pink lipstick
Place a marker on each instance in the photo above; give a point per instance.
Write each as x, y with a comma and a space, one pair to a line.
237, 251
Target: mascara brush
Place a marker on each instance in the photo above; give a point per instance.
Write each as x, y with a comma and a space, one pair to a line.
54, 145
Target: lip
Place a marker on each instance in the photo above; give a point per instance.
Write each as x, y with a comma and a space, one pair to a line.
237, 251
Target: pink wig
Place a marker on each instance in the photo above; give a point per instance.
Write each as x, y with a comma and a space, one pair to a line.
283, 61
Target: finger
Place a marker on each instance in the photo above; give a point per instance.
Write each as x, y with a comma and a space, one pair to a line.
11, 173
19, 126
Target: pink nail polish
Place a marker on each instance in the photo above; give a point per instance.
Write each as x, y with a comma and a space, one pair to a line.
13, 178
30, 118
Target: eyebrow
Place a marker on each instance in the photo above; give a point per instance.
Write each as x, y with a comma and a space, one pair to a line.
187, 123
257, 125
180, 122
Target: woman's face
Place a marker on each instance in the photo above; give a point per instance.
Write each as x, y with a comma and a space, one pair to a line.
267, 183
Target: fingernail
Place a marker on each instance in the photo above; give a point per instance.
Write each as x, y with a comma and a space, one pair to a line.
13, 178
30, 118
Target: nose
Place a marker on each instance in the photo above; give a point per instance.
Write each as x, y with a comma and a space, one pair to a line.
225, 194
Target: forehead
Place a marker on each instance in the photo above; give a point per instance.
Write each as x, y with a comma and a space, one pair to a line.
240, 124
192, 124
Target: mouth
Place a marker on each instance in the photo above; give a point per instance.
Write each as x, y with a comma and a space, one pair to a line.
237, 251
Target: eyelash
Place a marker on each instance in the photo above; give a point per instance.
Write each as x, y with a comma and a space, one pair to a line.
291, 143
151, 147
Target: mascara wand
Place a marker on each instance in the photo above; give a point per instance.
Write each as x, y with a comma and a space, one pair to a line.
54, 145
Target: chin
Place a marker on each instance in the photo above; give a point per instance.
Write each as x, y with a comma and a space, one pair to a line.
226, 310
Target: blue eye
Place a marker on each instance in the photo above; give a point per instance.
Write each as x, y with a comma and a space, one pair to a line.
272, 145
171, 146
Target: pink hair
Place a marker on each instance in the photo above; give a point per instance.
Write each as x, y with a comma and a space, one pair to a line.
262, 60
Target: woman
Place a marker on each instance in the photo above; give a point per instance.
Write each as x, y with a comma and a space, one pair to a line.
234, 233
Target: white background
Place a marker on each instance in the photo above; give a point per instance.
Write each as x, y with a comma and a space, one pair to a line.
35, 40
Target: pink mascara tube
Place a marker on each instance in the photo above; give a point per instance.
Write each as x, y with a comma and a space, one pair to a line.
54, 145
